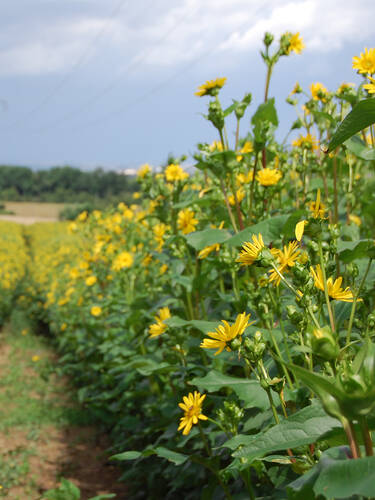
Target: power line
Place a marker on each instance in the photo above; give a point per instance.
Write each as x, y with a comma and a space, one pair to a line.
136, 62
76, 65
153, 90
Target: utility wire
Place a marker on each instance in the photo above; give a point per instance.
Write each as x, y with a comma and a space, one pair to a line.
153, 90
135, 63
75, 67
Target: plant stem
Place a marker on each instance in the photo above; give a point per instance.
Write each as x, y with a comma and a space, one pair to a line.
322, 266
350, 434
355, 300
366, 437
205, 441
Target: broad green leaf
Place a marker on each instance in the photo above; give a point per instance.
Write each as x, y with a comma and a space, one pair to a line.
339, 478
248, 391
289, 226
351, 250
361, 116
270, 230
160, 451
265, 112
304, 427
176, 321
359, 148
204, 326
127, 455
172, 456
201, 239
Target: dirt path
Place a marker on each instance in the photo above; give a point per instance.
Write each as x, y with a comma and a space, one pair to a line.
44, 434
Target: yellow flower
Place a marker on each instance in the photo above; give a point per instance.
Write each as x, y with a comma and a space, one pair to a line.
250, 251
318, 92
297, 89
240, 193
192, 406
35, 358
308, 141
344, 86
136, 195
163, 269
244, 178
334, 287
355, 219
286, 258
317, 208
156, 329
216, 146
82, 216
225, 333
370, 87
159, 327
163, 314
25, 331
365, 63
295, 44
268, 176
246, 148
122, 261
91, 280
175, 173
207, 250
143, 171
186, 221
159, 231
96, 310
211, 87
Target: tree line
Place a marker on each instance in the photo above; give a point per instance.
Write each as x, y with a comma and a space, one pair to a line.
64, 184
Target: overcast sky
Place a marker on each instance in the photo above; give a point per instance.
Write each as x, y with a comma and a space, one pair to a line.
111, 83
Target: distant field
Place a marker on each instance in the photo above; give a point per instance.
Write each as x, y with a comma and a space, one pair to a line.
29, 212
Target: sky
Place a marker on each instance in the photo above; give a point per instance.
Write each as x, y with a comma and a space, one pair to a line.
111, 83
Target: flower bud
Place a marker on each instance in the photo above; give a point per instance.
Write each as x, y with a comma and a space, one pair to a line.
235, 344
268, 39
324, 344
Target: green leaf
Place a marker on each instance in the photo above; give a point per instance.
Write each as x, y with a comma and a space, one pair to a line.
359, 148
66, 490
361, 116
127, 455
304, 427
160, 451
248, 391
337, 477
265, 112
171, 456
270, 230
351, 250
201, 239
204, 326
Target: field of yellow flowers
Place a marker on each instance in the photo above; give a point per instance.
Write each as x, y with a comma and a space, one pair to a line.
223, 328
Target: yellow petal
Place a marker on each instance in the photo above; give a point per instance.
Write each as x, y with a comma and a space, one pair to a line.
300, 227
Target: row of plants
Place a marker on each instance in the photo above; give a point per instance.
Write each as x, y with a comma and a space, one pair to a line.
13, 262
225, 325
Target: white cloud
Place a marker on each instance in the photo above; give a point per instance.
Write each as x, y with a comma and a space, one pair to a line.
167, 33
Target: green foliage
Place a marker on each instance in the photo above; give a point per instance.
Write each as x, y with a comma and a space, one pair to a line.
64, 184
361, 116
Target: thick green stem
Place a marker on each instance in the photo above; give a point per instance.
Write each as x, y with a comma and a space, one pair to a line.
366, 437
322, 266
286, 373
352, 439
354, 304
